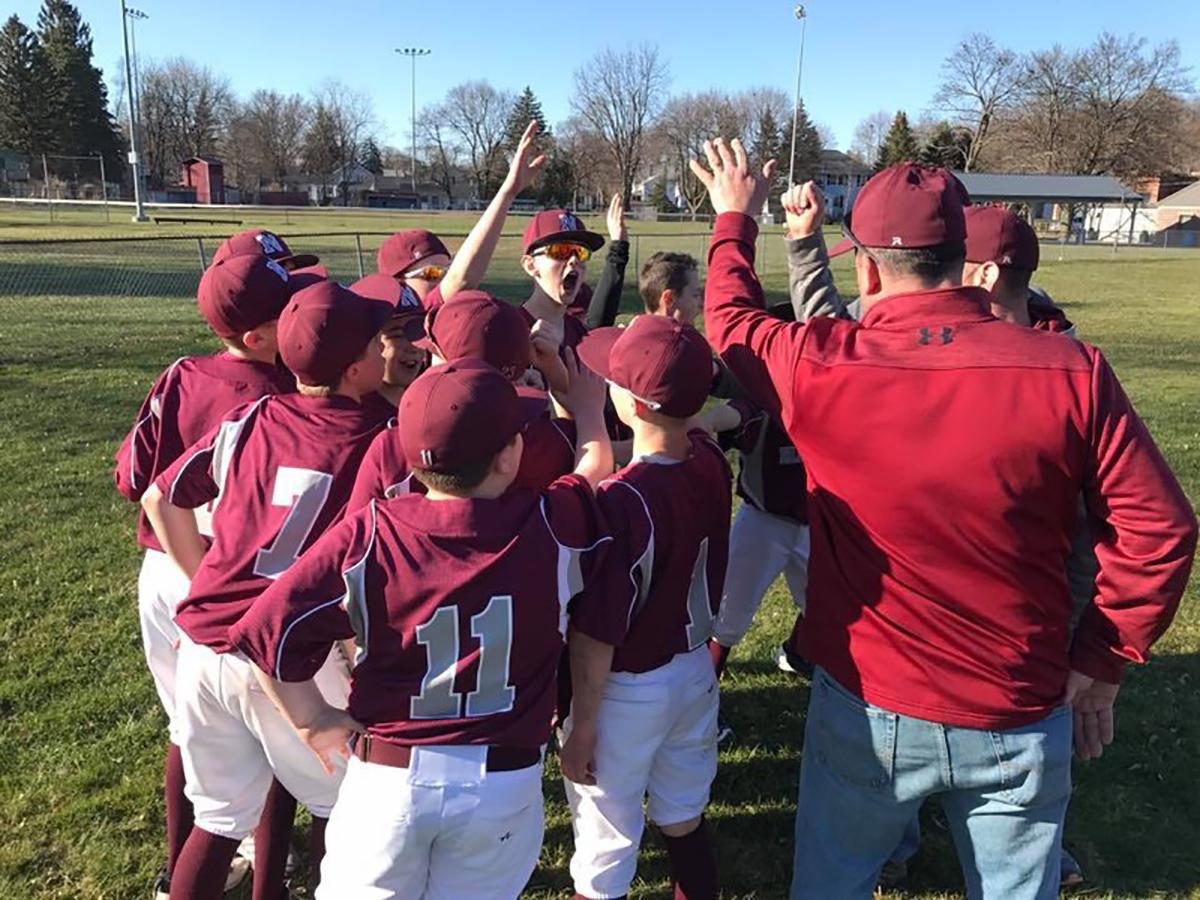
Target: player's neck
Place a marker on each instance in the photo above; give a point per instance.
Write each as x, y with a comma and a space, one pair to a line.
488, 489
541, 305
1015, 310
262, 356
391, 393
655, 440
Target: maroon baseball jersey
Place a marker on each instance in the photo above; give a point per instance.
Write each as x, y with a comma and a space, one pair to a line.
771, 475
187, 401
665, 571
283, 468
549, 453
458, 609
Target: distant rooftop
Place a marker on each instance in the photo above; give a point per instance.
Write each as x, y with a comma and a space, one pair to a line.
1047, 188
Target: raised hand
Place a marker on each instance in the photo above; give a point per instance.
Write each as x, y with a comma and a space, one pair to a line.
547, 361
804, 209
733, 185
523, 170
586, 391
616, 219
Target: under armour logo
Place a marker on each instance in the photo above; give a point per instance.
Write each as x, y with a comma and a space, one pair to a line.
568, 222
427, 458
504, 837
277, 269
270, 244
925, 335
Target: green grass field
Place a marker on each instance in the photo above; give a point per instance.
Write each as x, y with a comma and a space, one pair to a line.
81, 733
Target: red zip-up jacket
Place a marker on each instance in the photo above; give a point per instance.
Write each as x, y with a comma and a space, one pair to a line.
942, 501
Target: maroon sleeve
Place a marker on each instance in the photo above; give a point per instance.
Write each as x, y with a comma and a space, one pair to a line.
148, 440
379, 470
746, 434
1144, 531
188, 482
760, 350
605, 610
549, 453
292, 625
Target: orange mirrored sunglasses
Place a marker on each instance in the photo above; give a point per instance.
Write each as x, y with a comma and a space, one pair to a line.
563, 251
427, 273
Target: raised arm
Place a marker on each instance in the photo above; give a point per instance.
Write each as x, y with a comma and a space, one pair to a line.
810, 281
471, 261
584, 400
760, 350
606, 299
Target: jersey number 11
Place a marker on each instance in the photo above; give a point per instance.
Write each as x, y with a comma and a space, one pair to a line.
492, 694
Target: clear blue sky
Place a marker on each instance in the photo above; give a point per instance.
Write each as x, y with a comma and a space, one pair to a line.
860, 57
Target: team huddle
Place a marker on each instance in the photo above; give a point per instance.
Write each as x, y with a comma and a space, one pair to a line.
402, 537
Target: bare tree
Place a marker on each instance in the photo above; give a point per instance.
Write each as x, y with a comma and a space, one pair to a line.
980, 81
440, 149
265, 139
591, 167
185, 109
348, 116
869, 135
478, 114
619, 95
688, 120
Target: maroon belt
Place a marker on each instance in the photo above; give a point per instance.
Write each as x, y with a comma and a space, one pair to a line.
398, 756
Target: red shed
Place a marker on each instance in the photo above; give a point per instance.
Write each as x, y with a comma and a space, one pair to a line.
206, 176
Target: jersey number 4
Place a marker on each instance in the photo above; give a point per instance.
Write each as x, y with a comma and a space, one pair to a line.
303, 492
492, 694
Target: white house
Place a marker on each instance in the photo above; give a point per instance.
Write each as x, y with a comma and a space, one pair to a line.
840, 176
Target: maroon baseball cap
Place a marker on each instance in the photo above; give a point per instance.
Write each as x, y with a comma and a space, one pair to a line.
242, 292
477, 325
325, 328
406, 305
905, 207
551, 226
460, 413
665, 364
405, 249
997, 234
259, 240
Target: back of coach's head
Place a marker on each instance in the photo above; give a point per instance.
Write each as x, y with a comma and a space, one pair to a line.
907, 231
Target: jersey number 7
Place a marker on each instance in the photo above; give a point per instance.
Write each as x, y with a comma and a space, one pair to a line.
492, 694
304, 492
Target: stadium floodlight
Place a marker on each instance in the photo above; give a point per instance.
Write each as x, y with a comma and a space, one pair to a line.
135, 160
803, 17
412, 53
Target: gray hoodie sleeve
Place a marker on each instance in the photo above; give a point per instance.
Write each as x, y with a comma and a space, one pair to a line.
810, 282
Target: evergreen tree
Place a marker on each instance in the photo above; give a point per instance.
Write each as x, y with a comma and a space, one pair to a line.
946, 146
899, 144
556, 186
808, 148
767, 142
24, 121
371, 156
77, 102
526, 109
321, 153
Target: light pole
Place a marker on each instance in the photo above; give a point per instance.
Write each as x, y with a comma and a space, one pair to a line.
139, 214
412, 53
134, 15
800, 14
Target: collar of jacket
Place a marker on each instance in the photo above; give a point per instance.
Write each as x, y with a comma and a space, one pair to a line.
936, 307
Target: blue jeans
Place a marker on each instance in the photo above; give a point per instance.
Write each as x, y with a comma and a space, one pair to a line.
866, 770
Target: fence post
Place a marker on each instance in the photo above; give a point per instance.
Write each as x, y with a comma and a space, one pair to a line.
1165, 238
637, 254
200, 251
358, 247
46, 179
103, 186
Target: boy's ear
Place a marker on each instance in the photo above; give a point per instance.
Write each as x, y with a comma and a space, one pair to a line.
666, 302
529, 266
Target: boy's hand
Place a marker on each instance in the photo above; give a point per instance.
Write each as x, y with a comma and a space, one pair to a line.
804, 209
546, 360
328, 736
522, 170
733, 186
586, 390
577, 756
616, 219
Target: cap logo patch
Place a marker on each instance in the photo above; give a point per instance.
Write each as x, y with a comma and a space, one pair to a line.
568, 222
408, 299
1006, 261
277, 269
427, 458
897, 241
270, 244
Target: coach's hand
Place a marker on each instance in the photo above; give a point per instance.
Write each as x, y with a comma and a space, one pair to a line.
804, 210
328, 736
1092, 707
733, 185
577, 756
523, 170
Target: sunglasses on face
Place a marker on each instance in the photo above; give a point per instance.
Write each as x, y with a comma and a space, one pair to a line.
427, 273
564, 252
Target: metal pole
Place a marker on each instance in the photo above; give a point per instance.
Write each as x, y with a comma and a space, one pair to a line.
46, 182
358, 255
200, 251
103, 186
802, 16
135, 162
412, 53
